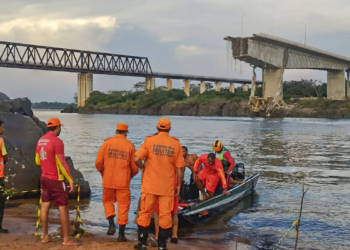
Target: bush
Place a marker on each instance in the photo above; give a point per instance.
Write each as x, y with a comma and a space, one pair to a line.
138, 98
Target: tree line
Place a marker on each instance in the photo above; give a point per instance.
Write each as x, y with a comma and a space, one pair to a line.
139, 98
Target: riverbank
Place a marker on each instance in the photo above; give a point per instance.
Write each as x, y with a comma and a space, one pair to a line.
20, 221
316, 108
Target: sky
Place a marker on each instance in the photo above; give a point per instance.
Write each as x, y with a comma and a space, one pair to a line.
177, 36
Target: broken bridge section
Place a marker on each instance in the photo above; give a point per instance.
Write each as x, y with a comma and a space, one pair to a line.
273, 55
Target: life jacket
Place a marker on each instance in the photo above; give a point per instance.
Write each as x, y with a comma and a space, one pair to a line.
220, 156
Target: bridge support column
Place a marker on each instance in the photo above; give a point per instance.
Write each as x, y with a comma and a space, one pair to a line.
336, 84
150, 83
202, 87
85, 87
232, 87
272, 84
187, 87
245, 87
169, 84
218, 86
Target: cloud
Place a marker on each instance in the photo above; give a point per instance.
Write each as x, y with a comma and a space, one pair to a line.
103, 22
184, 50
183, 36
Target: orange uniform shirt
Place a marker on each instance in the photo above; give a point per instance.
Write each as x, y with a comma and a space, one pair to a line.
215, 169
163, 155
115, 161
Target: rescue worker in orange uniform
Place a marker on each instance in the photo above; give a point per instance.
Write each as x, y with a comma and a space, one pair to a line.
210, 175
54, 169
164, 162
115, 162
3, 160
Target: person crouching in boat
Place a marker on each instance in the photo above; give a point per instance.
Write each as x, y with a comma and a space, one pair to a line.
227, 161
190, 159
210, 175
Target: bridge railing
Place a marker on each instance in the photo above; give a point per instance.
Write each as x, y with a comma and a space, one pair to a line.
18, 55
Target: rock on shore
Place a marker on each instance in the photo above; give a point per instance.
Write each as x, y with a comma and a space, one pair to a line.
22, 130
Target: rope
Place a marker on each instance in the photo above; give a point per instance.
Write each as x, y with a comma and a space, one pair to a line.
296, 231
78, 217
38, 220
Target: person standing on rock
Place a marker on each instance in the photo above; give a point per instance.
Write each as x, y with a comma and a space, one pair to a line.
54, 169
115, 162
164, 160
3, 160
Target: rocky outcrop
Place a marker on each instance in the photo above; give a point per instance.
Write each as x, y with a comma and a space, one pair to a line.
22, 130
69, 109
334, 110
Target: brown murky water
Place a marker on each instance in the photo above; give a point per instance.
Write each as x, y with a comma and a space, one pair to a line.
286, 152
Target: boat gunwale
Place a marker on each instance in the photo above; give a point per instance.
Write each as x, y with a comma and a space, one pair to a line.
254, 176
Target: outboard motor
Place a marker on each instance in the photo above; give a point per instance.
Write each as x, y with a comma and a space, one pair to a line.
238, 172
189, 191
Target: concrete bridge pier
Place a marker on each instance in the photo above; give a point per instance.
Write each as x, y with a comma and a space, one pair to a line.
150, 83
245, 87
187, 87
336, 84
85, 87
169, 84
218, 86
202, 87
272, 84
232, 87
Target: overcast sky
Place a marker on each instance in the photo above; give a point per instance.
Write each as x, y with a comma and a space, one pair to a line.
177, 36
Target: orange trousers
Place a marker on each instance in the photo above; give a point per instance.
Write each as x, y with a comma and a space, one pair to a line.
122, 197
166, 204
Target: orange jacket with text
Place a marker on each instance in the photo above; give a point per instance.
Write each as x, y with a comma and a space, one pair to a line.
115, 161
163, 155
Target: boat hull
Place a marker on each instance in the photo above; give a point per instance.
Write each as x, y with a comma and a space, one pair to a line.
200, 213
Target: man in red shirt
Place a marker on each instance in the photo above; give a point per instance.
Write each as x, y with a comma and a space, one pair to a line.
54, 169
210, 175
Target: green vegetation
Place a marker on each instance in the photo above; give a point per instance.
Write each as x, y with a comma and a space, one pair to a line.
304, 88
50, 105
138, 98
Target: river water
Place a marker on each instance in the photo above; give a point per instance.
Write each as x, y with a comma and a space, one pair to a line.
286, 152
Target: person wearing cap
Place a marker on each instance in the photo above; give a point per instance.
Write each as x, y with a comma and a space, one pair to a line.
115, 162
3, 160
164, 163
226, 159
54, 170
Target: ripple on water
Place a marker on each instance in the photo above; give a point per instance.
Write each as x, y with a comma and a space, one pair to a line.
287, 152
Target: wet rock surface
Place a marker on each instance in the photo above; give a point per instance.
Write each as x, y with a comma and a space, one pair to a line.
22, 130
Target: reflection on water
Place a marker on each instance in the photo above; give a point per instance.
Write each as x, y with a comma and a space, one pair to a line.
286, 152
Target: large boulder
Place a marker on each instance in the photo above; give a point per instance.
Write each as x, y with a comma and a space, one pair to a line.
22, 130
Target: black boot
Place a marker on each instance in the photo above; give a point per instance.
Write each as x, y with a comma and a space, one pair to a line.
121, 237
143, 235
2, 208
163, 237
111, 229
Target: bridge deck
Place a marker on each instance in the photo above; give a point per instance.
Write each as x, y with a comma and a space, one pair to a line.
27, 56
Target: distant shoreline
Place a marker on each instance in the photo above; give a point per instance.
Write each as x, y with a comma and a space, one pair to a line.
321, 108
